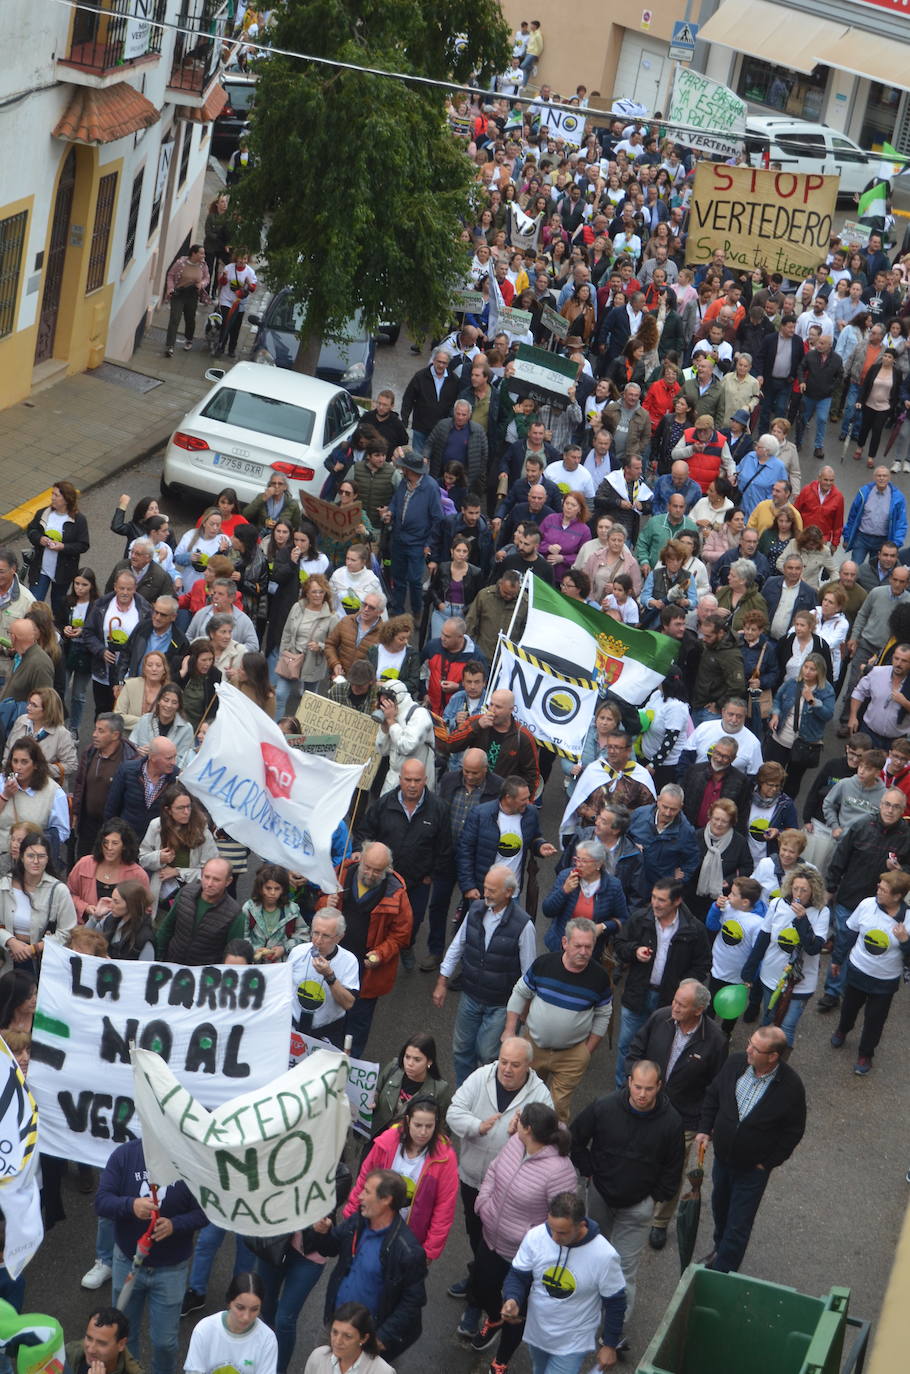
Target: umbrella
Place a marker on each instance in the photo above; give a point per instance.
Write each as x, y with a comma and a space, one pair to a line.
143, 1247
689, 1213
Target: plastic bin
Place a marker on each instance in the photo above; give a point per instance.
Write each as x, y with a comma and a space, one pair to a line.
718, 1323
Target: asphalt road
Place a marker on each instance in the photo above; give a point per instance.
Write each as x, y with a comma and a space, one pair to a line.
831, 1216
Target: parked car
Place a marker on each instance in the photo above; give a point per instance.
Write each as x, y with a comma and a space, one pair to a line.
347, 362
253, 421
800, 146
234, 119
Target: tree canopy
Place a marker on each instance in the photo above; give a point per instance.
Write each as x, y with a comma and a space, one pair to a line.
356, 184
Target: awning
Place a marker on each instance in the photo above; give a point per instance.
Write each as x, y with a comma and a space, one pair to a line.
772, 33
214, 103
865, 54
103, 116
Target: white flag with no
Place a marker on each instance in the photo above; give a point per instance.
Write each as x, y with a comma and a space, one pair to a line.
284, 804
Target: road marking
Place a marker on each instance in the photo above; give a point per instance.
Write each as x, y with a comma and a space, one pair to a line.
22, 515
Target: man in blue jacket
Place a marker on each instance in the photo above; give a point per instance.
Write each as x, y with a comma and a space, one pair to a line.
124, 1197
138, 784
415, 516
503, 832
878, 514
667, 840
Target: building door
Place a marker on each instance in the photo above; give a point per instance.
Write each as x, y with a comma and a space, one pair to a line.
56, 260
649, 82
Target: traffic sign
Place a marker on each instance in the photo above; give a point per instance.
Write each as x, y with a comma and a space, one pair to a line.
682, 43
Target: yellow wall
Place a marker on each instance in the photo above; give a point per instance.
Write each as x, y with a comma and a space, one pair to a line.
17, 350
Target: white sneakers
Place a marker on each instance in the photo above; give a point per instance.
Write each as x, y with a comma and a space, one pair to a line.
97, 1275
898, 467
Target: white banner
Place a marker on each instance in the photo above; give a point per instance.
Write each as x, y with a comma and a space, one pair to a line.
565, 124
138, 33
220, 1028
713, 116
19, 1197
361, 1085
524, 230
284, 804
557, 710
262, 1164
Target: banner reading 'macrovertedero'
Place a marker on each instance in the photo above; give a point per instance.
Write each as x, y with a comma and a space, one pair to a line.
262, 1164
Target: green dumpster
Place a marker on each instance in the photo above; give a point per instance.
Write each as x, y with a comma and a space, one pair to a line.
734, 1324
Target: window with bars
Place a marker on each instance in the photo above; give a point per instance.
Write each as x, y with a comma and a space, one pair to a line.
132, 222
185, 154
12, 241
101, 233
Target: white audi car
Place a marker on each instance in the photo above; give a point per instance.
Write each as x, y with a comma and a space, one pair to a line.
255, 421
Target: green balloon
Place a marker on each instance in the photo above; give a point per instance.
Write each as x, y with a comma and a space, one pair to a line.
731, 1001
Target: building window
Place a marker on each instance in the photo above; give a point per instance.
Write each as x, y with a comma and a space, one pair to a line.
185, 154
132, 222
12, 240
882, 122
792, 93
101, 233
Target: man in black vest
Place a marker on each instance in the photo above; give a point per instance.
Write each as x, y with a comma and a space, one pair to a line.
495, 944
202, 921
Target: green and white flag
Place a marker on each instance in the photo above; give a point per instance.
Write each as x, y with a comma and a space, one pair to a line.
577, 639
873, 203
557, 709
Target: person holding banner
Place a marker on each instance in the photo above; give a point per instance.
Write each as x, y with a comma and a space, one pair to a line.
125, 1197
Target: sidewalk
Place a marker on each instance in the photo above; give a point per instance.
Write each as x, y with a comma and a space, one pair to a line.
85, 428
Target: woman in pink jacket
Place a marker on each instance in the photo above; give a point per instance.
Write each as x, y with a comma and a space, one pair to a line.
417, 1150
530, 1168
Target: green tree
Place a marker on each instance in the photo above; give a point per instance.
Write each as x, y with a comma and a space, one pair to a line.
357, 187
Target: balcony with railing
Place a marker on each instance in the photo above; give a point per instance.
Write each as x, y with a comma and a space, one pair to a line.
197, 53
105, 47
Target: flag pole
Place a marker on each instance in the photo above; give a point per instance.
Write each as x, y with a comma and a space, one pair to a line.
508, 635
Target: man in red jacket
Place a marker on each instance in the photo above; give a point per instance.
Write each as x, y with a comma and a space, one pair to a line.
820, 503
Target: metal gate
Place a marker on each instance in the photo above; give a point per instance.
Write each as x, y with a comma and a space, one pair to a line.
56, 260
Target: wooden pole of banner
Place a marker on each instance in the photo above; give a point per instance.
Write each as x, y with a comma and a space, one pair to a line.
508, 635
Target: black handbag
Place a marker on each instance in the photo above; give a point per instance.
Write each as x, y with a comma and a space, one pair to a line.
805, 755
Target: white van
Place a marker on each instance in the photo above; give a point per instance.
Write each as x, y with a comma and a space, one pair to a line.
803, 147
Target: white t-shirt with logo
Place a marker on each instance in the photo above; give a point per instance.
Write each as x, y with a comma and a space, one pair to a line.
409, 1168
780, 924
733, 944
510, 849
312, 992
567, 1289
213, 1347
878, 951
53, 524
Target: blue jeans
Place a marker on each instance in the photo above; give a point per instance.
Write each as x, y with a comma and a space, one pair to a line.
775, 400
852, 418
702, 714
286, 1290
839, 915
476, 1036
104, 1241
865, 545
544, 1362
821, 410
208, 1243
79, 682
357, 1023
438, 912
630, 1023
791, 1020
163, 1289
735, 1199
418, 441
408, 568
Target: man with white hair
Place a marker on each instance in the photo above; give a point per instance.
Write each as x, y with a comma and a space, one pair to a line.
151, 579
429, 397
494, 944
482, 1117
326, 978
456, 438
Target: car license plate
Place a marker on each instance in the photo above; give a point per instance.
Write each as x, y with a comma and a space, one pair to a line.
224, 460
